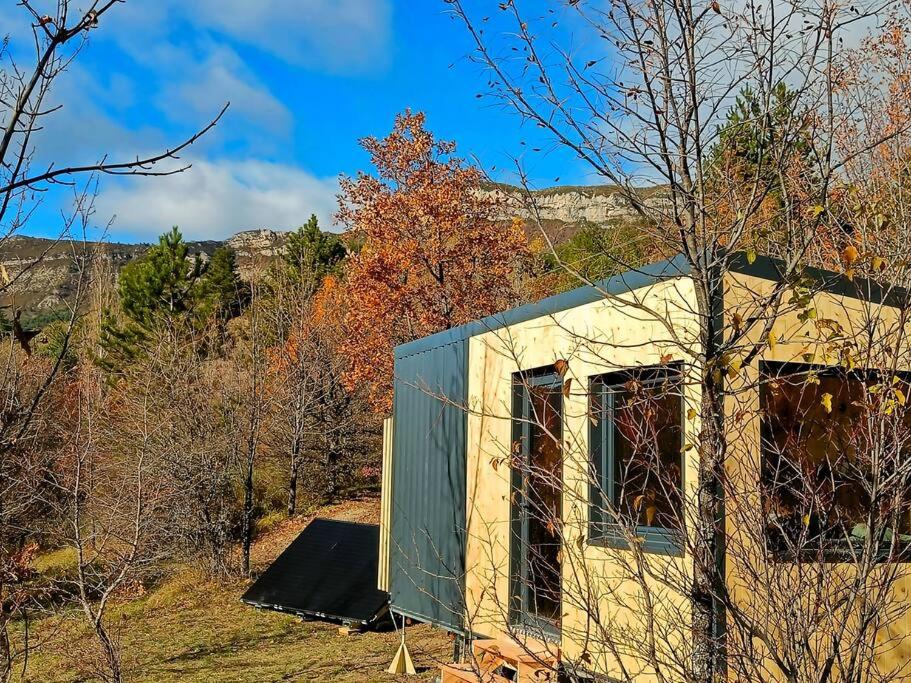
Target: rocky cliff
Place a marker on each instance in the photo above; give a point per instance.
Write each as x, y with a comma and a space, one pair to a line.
574, 204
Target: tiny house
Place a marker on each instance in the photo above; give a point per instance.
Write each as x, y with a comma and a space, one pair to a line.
461, 546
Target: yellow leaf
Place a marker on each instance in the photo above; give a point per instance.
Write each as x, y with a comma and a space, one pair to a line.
899, 396
691, 414
806, 520
751, 256
734, 367
826, 401
850, 254
773, 339
688, 447
849, 273
878, 263
815, 210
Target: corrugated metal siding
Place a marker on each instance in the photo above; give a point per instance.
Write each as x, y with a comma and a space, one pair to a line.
427, 553
385, 507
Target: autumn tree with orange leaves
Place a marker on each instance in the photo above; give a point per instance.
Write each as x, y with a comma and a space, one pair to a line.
436, 251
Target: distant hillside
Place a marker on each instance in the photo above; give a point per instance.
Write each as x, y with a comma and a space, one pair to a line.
575, 204
48, 287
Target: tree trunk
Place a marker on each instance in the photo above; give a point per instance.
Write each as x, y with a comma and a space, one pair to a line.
292, 476
248, 495
247, 532
111, 655
708, 571
292, 490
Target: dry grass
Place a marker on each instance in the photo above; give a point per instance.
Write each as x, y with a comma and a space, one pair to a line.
192, 629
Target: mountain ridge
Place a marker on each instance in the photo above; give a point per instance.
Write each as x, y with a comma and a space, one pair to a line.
51, 284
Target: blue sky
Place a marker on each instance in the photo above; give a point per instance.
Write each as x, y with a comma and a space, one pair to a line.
306, 79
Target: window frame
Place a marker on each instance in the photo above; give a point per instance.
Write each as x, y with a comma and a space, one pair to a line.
769, 369
519, 615
602, 459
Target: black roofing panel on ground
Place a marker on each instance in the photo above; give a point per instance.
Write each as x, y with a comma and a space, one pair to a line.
329, 571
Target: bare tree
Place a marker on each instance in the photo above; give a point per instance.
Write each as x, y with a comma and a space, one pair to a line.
252, 405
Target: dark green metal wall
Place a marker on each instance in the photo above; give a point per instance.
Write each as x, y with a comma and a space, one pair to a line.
427, 546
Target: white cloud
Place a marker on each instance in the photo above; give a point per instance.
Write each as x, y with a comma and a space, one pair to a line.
203, 86
213, 200
341, 36
174, 63
335, 34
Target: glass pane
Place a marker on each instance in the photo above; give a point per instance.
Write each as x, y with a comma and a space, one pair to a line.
826, 450
648, 432
543, 500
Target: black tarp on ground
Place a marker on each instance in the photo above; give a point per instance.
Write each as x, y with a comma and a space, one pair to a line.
329, 571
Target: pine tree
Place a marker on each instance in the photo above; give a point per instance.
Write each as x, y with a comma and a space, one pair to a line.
221, 290
168, 289
311, 254
162, 283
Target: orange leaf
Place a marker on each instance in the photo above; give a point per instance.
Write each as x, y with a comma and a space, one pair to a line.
850, 254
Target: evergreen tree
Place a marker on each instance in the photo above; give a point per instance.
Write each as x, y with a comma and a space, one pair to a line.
762, 166
311, 254
162, 283
221, 289
167, 288
755, 136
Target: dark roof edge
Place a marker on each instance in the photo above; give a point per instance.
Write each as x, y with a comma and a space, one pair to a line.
829, 281
763, 267
619, 284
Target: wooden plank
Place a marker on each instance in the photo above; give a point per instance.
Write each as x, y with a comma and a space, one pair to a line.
350, 630
530, 652
463, 673
385, 507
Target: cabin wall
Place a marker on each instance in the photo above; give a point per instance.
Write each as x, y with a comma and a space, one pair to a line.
594, 338
427, 515
756, 583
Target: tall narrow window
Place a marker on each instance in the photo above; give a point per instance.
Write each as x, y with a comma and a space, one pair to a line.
637, 442
536, 517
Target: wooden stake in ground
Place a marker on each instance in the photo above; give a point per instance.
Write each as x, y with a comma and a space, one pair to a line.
401, 663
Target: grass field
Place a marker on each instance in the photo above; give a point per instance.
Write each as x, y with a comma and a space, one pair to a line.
192, 629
